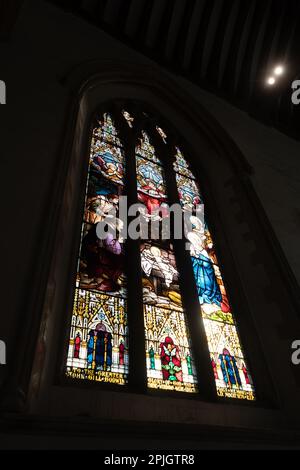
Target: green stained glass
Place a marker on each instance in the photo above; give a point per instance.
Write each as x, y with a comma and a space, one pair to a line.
168, 345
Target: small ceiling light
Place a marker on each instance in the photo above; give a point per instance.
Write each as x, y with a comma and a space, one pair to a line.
271, 81
279, 70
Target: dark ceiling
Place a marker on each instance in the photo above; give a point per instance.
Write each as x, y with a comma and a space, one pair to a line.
227, 47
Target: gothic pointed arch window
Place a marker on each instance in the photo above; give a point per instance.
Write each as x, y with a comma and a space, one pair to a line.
190, 334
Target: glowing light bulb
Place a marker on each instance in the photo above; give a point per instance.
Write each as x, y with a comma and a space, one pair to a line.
271, 81
279, 70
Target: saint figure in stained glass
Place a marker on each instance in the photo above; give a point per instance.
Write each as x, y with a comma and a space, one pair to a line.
98, 344
219, 323
98, 348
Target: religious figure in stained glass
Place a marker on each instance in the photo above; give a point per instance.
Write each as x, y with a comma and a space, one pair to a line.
152, 357
209, 292
98, 330
229, 368
231, 375
107, 157
167, 339
101, 264
156, 258
77, 345
106, 160
151, 190
98, 343
150, 178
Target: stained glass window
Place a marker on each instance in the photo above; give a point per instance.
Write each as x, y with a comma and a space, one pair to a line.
168, 346
231, 374
98, 347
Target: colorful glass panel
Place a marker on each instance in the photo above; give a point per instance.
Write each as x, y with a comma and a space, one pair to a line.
98, 342
145, 149
188, 192
100, 296
230, 370
150, 177
168, 353
107, 157
150, 181
181, 166
168, 347
106, 131
98, 346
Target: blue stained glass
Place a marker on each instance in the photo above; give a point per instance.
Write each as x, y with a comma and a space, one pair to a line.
232, 376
